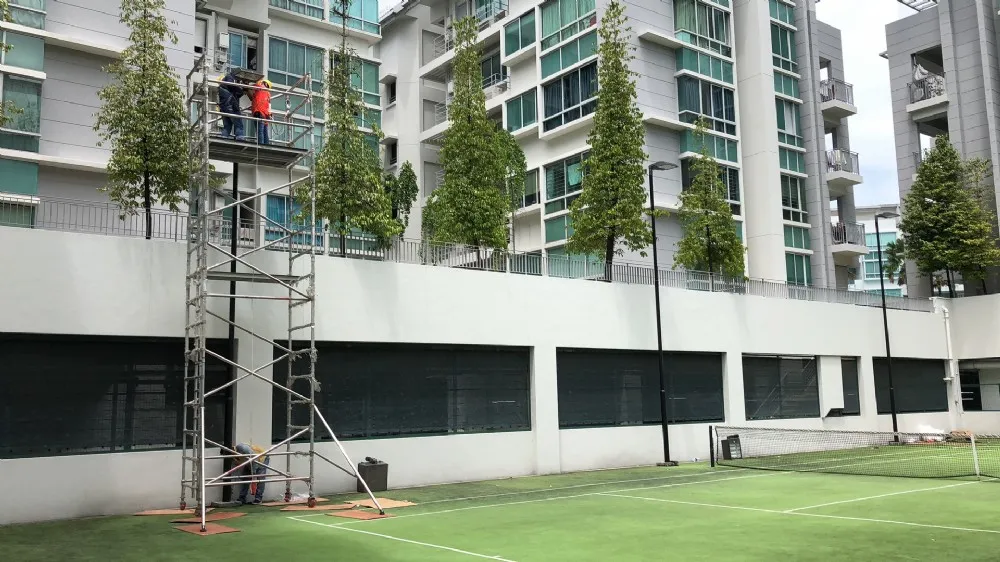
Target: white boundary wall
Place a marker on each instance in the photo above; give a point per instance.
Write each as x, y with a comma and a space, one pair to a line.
69, 283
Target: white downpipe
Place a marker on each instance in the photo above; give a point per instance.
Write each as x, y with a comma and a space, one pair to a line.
955, 412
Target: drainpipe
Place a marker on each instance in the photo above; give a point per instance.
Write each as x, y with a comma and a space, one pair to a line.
955, 413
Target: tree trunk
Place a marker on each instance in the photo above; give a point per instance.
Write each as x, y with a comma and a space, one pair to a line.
147, 203
343, 236
609, 257
951, 283
986, 290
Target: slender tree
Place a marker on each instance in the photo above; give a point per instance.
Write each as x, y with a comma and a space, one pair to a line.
946, 221
483, 165
710, 242
143, 118
610, 213
7, 108
350, 189
402, 191
895, 261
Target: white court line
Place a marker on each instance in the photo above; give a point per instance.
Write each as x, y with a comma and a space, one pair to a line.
803, 514
880, 496
400, 539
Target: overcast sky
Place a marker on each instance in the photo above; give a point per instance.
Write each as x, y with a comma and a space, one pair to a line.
862, 25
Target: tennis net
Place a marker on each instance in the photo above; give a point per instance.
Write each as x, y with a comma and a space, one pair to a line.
869, 453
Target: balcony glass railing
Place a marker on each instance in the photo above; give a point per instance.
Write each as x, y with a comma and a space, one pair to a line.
840, 160
833, 89
487, 13
927, 88
848, 233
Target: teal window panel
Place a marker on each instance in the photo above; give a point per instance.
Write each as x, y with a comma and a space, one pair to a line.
309, 8
18, 177
24, 51
519, 33
361, 15
521, 111
569, 54
562, 19
798, 269
29, 13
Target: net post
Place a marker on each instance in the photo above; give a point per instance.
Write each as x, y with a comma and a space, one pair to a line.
711, 447
975, 455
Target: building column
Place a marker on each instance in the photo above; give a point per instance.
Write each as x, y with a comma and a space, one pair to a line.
545, 410
732, 388
831, 384
252, 396
866, 391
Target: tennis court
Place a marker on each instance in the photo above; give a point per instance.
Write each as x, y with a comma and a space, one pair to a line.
691, 512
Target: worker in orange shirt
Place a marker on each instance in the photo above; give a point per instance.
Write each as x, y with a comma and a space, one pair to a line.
260, 106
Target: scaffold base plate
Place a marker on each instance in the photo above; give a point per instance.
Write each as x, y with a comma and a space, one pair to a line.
210, 529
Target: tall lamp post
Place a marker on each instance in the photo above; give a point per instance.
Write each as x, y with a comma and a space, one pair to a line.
660, 166
885, 318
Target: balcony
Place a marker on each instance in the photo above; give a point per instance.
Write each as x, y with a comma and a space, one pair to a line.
848, 242
837, 100
488, 16
928, 97
842, 171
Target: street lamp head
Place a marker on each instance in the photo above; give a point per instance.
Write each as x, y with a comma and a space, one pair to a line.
887, 215
661, 166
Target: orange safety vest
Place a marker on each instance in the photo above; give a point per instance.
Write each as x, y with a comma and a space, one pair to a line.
261, 101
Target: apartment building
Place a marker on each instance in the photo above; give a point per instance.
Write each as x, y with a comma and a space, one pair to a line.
944, 78
778, 112
866, 277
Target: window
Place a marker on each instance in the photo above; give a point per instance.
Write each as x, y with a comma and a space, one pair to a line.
785, 84
569, 54
311, 8
30, 13
780, 387
718, 147
361, 14
369, 118
793, 199
783, 48
798, 269
701, 63
16, 214
697, 98
791, 160
519, 34
730, 178
531, 195
392, 153
782, 12
919, 385
200, 35
521, 111
21, 132
288, 62
614, 388
871, 258
288, 213
395, 390
573, 266
18, 177
797, 237
242, 50
789, 125
703, 25
102, 394
390, 93
558, 229
493, 71
23, 51
852, 394
562, 19
571, 97
563, 179
364, 79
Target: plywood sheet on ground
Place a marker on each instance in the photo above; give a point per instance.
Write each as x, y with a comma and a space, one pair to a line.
169, 512
210, 529
280, 503
212, 517
386, 503
358, 514
328, 507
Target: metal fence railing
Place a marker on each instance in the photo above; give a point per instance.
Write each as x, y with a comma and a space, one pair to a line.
107, 219
848, 233
926, 88
833, 89
840, 160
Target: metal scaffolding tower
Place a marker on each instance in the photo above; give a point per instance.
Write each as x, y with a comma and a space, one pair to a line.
216, 257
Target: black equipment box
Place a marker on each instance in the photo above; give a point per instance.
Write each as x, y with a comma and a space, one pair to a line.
375, 473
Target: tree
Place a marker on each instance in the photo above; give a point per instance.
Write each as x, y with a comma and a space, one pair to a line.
402, 191
610, 212
350, 188
710, 242
143, 118
946, 220
895, 261
7, 108
483, 165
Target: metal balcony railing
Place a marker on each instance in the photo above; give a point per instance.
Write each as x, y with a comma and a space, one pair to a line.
495, 85
487, 15
840, 160
440, 113
106, 218
848, 233
926, 88
833, 89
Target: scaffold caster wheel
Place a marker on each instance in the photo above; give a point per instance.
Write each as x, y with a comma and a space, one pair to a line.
312, 502
183, 506
288, 497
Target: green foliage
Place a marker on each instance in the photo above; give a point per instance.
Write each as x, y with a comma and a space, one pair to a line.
7, 109
402, 191
895, 261
483, 165
611, 209
350, 190
143, 118
947, 220
709, 233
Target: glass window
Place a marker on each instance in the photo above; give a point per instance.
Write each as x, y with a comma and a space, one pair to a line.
288, 62
563, 182
730, 178
783, 48
703, 25
793, 199
782, 12
688, 59
562, 19
531, 195
311, 8
26, 95
521, 111
849, 381
696, 98
23, 51
569, 54
785, 84
789, 125
797, 237
18, 177
559, 228
718, 147
798, 269
364, 79
791, 160
570, 97
780, 387
520, 33
29, 13
361, 14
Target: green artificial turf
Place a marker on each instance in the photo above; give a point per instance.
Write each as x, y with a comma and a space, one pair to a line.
691, 512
